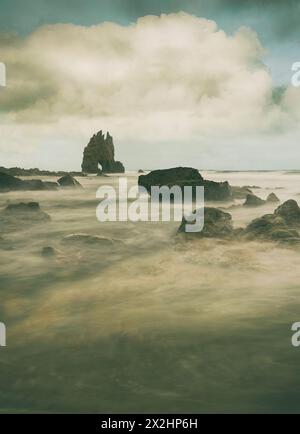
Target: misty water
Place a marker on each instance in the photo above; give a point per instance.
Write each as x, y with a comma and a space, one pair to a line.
152, 324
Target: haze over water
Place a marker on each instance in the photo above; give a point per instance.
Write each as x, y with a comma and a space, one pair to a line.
153, 324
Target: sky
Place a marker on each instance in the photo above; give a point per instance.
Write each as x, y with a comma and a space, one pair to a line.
199, 83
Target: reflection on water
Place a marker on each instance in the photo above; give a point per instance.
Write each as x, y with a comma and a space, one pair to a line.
150, 324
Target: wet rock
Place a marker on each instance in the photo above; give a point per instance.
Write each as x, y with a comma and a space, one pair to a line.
69, 181
18, 215
217, 224
11, 183
100, 150
290, 212
271, 227
272, 198
186, 176
252, 201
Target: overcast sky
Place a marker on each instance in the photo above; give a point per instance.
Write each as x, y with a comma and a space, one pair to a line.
205, 84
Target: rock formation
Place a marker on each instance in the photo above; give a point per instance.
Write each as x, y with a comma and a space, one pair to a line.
16, 215
217, 224
69, 181
252, 200
272, 198
11, 183
100, 150
186, 176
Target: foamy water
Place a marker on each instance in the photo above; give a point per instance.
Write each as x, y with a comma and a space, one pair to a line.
154, 324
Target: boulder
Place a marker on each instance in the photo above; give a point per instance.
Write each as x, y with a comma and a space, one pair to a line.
217, 224
271, 227
68, 181
100, 151
272, 198
17, 215
48, 252
186, 176
253, 201
290, 212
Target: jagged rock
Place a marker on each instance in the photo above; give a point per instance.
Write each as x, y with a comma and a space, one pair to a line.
186, 176
69, 181
240, 192
252, 200
290, 212
217, 224
100, 150
272, 198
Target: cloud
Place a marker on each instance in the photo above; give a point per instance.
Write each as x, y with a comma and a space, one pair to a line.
168, 78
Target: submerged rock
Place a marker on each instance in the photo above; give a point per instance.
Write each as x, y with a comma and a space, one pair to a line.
253, 201
217, 224
100, 150
48, 252
15, 215
272, 198
69, 181
186, 176
91, 240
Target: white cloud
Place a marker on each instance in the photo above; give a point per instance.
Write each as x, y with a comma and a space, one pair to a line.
169, 78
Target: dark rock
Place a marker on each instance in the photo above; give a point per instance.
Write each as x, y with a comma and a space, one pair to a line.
11, 183
186, 176
290, 212
69, 181
252, 201
48, 252
217, 224
140, 171
272, 198
100, 150
271, 227
240, 192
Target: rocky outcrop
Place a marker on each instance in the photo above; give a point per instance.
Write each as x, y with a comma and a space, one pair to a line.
272, 198
217, 224
186, 176
11, 183
281, 226
100, 151
290, 212
252, 201
240, 192
69, 181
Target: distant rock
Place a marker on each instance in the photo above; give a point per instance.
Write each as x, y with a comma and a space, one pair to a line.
290, 212
18, 171
240, 192
186, 176
272, 198
100, 150
253, 201
140, 171
217, 224
11, 183
69, 181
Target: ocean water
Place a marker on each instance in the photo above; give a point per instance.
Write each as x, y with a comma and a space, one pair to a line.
151, 324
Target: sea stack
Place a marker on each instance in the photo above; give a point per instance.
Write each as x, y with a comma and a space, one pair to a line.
100, 154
